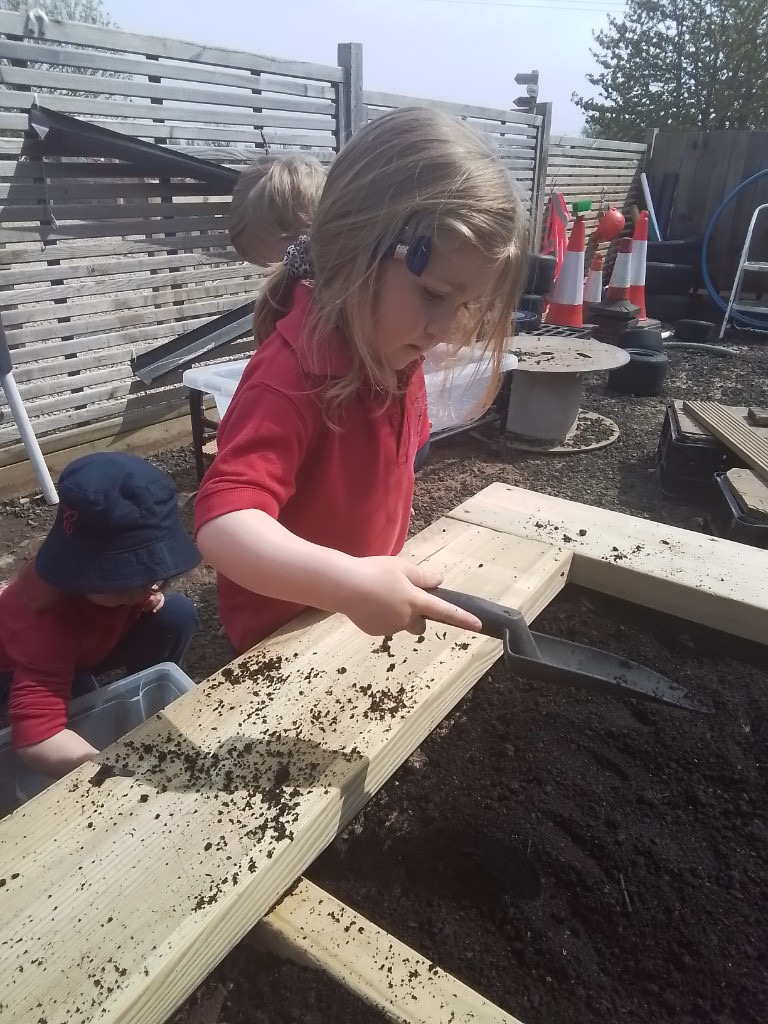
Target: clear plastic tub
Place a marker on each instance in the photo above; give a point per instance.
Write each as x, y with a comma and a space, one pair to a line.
454, 394
101, 717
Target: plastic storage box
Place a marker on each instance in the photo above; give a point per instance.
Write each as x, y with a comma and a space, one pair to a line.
454, 394
101, 717
687, 461
725, 518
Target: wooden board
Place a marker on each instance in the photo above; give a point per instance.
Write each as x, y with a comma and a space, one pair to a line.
716, 582
751, 492
751, 446
311, 927
119, 900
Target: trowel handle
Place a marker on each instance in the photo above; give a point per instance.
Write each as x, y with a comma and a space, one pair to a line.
505, 624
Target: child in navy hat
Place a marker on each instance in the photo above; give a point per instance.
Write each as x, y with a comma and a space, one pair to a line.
92, 601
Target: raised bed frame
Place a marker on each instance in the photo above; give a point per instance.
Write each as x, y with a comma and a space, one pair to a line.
119, 900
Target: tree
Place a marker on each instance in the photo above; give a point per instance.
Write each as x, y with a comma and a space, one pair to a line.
680, 64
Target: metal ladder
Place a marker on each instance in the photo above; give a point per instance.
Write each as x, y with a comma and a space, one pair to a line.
745, 264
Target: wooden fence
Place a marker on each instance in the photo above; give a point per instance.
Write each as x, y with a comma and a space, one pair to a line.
691, 173
603, 171
100, 262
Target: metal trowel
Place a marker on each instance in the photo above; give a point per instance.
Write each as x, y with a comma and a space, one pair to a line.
551, 660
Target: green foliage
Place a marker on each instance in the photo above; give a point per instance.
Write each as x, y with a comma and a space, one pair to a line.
680, 64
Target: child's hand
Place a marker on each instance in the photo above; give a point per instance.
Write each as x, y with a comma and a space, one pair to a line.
383, 595
154, 603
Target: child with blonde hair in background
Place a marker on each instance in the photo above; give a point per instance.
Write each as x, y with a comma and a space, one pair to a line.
273, 202
418, 238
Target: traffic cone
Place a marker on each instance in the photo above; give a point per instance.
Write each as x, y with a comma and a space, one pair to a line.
618, 289
593, 286
565, 303
637, 269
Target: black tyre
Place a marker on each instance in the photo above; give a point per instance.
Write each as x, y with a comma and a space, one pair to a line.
531, 304
696, 331
667, 308
647, 338
668, 278
644, 374
526, 321
541, 274
676, 250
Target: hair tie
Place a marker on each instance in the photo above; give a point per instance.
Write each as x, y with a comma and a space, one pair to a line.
298, 259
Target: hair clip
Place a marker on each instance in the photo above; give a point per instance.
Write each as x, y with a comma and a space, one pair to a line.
415, 254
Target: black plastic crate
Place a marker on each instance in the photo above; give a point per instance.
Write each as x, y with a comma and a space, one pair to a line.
686, 463
725, 518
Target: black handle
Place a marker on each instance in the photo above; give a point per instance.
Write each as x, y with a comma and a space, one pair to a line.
505, 624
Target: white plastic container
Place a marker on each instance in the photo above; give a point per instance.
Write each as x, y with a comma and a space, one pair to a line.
219, 380
454, 395
101, 717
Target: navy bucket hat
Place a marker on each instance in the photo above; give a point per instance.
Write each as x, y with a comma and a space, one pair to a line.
118, 527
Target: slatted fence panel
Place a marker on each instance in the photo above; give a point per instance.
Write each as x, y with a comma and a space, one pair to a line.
516, 134
98, 261
605, 171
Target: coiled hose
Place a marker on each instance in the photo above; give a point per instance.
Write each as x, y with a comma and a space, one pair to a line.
739, 319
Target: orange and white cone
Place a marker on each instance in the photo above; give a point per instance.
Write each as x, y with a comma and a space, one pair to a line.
565, 302
593, 286
621, 277
637, 271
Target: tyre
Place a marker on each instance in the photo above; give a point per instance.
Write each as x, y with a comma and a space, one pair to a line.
667, 308
676, 250
696, 331
644, 374
640, 337
668, 278
531, 304
541, 274
526, 321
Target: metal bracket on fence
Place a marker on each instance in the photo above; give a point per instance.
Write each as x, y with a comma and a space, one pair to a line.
35, 23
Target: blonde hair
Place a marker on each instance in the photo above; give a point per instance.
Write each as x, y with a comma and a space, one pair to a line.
273, 202
413, 171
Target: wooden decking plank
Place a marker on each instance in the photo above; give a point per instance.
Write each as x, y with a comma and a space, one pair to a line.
705, 579
119, 900
313, 928
733, 432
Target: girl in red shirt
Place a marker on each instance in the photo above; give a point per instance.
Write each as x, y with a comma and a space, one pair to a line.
418, 238
92, 601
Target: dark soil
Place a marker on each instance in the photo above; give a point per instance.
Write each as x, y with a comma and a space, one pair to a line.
575, 858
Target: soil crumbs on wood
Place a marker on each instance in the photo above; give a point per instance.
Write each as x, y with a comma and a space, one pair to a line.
574, 858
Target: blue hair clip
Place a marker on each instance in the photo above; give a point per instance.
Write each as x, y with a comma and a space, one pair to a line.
415, 254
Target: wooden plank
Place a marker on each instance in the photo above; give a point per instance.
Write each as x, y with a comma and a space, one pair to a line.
121, 87
87, 248
607, 145
221, 115
138, 434
238, 787
136, 66
391, 99
133, 317
751, 492
733, 432
102, 38
313, 928
716, 582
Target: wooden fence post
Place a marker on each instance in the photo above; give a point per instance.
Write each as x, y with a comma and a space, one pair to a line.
544, 110
350, 112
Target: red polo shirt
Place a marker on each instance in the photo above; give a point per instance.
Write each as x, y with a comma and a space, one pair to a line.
44, 647
350, 489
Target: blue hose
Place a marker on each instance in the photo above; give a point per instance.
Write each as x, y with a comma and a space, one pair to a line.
738, 318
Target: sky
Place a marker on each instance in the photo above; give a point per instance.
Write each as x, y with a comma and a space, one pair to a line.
467, 51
